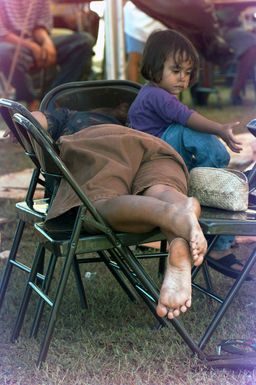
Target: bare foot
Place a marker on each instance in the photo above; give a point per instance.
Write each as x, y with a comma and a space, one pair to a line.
185, 224
175, 293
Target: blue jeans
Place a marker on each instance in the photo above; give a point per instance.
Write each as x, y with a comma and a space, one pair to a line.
74, 55
199, 149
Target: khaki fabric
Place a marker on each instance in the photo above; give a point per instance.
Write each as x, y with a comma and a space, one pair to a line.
110, 160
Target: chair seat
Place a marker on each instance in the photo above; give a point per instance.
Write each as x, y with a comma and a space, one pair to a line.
217, 221
33, 212
60, 234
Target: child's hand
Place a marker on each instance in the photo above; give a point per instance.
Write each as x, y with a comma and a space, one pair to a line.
228, 136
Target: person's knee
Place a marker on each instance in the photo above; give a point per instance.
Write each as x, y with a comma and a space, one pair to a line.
84, 39
157, 190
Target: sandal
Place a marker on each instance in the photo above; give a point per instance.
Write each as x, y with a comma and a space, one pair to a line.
224, 266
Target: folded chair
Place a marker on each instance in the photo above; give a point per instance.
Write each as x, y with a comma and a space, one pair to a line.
66, 240
27, 210
30, 210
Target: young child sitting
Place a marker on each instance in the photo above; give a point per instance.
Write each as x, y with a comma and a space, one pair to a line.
170, 64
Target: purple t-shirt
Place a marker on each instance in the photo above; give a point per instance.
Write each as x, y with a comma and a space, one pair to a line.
154, 109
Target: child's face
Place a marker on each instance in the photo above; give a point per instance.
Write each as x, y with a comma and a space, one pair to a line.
176, 77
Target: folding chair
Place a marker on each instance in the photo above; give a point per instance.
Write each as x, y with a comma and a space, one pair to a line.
27, 210
65, 239
30, 210
115, 251
85, 96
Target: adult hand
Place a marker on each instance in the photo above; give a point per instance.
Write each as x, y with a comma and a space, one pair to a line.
37, 52
49, 53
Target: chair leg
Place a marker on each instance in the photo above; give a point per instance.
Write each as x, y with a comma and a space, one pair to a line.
45, 289
79, 284
162, 260
55, 307
27, 293
11, 260
228, 299
147, 289
55, 304
117, 273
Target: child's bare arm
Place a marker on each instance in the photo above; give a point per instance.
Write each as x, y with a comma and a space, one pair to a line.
198, 122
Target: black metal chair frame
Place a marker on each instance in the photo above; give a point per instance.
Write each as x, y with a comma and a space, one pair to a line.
30, 210
114, 249
115, 252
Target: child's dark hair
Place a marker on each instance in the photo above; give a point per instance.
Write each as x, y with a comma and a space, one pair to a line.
162, 44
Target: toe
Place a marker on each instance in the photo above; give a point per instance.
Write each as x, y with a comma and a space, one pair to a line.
161, 310
188, 303
198, 260
170, 315
176, 312
183, 308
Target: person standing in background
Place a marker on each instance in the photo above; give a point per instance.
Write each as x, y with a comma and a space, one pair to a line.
137, 27
243, 44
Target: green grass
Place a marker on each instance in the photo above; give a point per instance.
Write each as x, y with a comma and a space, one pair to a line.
116, 342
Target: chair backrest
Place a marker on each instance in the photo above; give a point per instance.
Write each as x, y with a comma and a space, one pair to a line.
7, 109
89, 95
47, 150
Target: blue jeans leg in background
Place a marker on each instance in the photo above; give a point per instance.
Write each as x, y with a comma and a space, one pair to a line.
21, 79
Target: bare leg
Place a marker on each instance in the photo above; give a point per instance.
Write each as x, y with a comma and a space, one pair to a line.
174, 213
133, 68
177, 217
